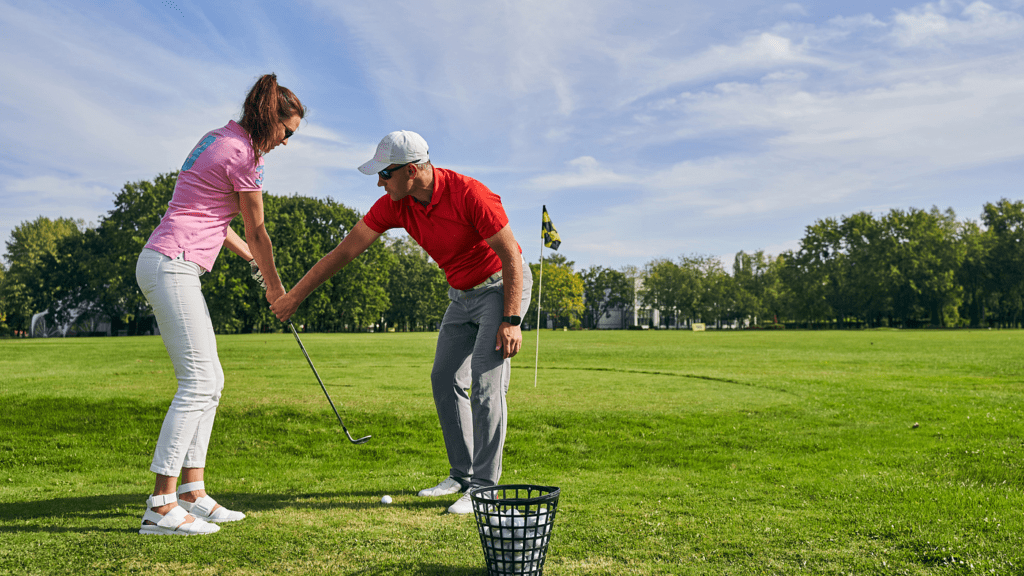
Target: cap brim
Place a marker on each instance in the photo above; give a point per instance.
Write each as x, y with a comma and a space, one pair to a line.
372, 167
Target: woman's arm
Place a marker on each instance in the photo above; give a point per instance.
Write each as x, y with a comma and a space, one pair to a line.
235, 243
251, 204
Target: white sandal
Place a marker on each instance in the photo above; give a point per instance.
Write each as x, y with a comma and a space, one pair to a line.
171, 524
204, 506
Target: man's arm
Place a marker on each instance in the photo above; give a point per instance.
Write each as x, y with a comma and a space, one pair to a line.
357, 241
251, 207
510, 338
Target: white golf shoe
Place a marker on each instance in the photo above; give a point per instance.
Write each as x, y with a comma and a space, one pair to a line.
204, 507
463, 505
447, 486
174, 522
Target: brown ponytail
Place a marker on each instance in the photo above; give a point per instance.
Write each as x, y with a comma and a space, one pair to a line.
265, 107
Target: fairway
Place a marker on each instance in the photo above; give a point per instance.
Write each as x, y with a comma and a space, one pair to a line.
758, 452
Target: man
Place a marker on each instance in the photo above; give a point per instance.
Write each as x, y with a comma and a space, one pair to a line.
463, 227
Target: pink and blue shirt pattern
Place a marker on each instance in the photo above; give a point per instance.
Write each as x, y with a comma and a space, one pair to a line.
205, 196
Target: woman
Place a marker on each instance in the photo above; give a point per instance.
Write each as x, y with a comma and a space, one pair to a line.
222, 177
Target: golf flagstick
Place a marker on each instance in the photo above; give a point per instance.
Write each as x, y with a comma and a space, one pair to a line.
362, 440
540, 285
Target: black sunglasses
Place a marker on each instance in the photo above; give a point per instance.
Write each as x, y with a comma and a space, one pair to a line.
386, 173
288, 133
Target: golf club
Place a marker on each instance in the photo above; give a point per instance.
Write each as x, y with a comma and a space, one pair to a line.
362, 440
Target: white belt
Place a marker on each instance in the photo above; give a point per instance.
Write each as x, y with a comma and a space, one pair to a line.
494, 277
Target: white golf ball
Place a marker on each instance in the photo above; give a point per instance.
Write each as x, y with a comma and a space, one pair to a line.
386, 499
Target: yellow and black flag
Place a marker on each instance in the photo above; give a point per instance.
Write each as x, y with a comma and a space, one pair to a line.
548, 232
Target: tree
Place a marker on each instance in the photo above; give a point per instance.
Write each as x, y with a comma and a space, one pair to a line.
757, 286
821, 271
671, 288
417, 288
974, 276
4, 328
922, 259
95, 271
1005, 257
25, 290
303, 230
562, 291
605, 289
778, 299
867, 248
660, 286
717, 289
633, 278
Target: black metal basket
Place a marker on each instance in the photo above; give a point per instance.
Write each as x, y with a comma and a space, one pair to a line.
515, 522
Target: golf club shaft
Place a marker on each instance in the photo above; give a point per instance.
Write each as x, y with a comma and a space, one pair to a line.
324, 388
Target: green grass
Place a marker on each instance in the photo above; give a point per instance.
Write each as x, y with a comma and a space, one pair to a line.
677, 453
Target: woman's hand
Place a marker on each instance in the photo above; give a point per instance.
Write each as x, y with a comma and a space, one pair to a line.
274, 294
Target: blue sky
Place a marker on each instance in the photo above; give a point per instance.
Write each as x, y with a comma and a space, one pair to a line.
650, 129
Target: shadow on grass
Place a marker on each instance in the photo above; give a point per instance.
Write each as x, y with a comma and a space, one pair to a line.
74, 512
349, 500
420, 570
130, 507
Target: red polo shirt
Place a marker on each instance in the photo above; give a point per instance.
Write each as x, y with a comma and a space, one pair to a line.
452, 228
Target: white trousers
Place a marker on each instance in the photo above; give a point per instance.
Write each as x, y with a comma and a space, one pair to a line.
173, 290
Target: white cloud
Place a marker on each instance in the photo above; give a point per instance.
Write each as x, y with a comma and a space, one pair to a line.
760, 52
979, 22
25, 199
95, 101
794, 8
585, 171
673, 128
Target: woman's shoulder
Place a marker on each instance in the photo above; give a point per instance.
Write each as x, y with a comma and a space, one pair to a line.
235, 147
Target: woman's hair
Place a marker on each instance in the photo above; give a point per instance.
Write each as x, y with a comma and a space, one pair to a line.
265, 107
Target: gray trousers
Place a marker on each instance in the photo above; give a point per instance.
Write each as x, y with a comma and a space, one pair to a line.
470, 380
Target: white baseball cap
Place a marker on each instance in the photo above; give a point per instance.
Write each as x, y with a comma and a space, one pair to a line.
400, 147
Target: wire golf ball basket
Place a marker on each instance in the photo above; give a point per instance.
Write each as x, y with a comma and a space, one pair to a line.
515, 521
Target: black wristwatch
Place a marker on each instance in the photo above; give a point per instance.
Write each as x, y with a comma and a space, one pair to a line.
513, 320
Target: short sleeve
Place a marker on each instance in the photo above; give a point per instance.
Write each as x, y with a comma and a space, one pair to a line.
485, 210
243, 175
381, 217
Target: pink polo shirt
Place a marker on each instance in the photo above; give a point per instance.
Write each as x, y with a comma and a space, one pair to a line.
205, 196
462, 213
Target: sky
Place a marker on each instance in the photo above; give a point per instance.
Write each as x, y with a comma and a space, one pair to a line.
650, 129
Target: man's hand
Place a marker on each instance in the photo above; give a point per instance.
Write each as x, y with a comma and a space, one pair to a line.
284, 307
256, 274
510, 340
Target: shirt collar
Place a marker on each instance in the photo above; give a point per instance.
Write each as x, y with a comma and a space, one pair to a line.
435, 196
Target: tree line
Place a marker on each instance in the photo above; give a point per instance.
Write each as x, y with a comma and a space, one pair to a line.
65, 267
907, 268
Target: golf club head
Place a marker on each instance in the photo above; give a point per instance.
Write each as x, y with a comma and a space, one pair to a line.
362, 440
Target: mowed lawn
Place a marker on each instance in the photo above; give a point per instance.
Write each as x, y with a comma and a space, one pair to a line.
862, 452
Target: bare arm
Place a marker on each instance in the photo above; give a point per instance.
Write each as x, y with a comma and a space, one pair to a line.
510, 338
235, 243
357, 241
251, 204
